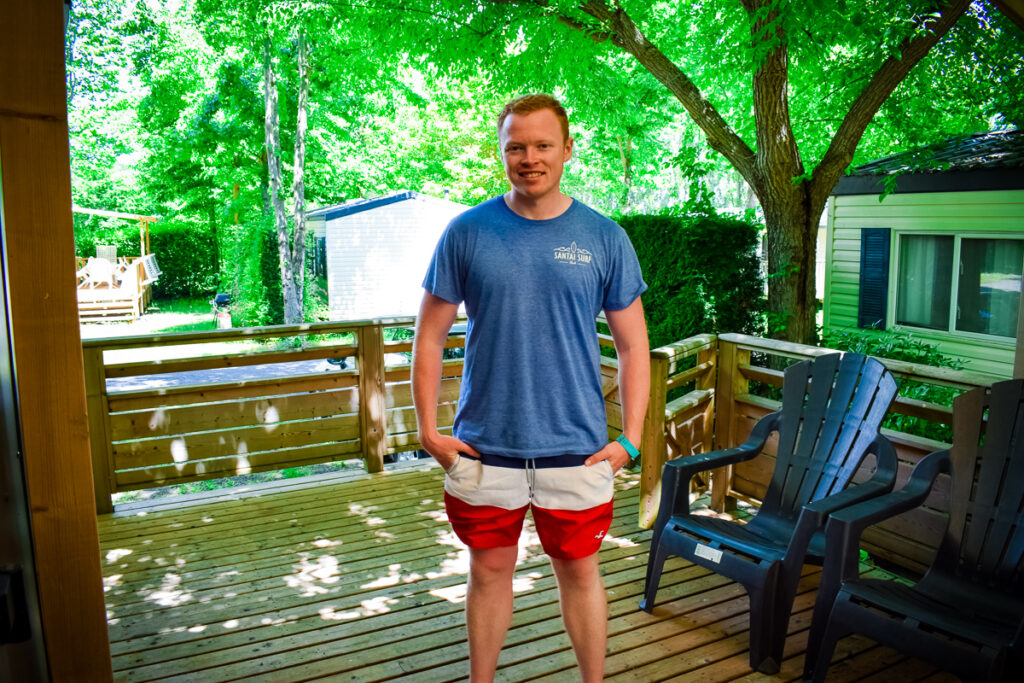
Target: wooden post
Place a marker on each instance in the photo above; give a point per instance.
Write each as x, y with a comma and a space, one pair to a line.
372, 416
707, 382
653, 441
730, 383
99, 429
43, 308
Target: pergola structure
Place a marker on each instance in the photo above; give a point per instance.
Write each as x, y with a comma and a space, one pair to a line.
144, 222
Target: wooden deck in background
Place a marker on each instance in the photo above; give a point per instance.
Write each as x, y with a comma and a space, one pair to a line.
359, 578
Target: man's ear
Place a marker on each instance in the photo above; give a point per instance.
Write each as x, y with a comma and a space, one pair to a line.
568, 150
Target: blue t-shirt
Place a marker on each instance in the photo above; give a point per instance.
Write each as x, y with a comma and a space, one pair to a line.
531, 383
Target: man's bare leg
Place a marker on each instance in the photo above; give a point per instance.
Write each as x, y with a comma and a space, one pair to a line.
488, 607
585, 612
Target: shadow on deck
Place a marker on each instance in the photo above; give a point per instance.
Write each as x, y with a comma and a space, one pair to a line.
359, 578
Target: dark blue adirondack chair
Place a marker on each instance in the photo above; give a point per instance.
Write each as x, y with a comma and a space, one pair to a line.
966, 615
831, 410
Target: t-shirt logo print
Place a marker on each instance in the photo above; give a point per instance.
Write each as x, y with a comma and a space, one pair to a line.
573, 255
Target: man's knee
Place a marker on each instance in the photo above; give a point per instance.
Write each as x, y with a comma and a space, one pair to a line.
578, 571
493, 564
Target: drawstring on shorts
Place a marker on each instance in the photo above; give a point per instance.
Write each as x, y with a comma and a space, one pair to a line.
531, 475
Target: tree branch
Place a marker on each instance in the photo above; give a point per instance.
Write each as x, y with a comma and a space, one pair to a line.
624, 33
889, 75
596, 36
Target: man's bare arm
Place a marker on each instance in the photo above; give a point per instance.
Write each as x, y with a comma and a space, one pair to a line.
432, 327
629, 330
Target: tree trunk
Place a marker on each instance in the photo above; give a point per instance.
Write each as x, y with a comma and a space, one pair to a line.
293, 309
216, 239
792, 235
272, 128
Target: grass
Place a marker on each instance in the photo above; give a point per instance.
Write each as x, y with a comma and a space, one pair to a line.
178, 315
198, 312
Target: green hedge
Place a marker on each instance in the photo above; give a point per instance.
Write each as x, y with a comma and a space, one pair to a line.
702, 272
187, 254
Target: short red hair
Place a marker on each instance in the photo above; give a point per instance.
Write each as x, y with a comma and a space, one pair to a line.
527, 104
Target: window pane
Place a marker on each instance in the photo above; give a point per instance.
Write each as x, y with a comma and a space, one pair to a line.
989, 289
924, 281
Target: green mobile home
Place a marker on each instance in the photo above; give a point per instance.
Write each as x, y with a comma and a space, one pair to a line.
941, 255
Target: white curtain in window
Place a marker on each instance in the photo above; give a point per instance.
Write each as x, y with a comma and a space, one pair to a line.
924, 281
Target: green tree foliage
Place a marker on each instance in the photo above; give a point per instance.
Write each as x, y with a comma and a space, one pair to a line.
166, 103
702, 272
784, 90
252, 275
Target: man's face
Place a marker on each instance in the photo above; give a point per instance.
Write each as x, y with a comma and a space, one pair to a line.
534, 153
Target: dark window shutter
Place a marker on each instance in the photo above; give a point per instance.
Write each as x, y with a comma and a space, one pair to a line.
874, 277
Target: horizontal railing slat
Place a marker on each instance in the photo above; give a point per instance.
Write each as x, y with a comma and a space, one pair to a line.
690, 375
239, 334
399, 394
249, 358
261, 411
170, 450
218, 392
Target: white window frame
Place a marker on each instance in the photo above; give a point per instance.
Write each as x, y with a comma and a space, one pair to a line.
950, 331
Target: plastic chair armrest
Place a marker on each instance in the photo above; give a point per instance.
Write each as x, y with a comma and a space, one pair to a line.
693, 464
676, 474
844, 527
912, 494
881, 482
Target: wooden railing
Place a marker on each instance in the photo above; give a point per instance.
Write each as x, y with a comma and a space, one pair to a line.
201, 429
677, 425
706, 393
748, 368
188, 427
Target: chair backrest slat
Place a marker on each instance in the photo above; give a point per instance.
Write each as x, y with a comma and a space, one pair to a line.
984, 540
821, 424
794, 395
813, 405
831, 410
858, 425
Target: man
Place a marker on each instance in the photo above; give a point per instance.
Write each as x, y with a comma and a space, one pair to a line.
534, 268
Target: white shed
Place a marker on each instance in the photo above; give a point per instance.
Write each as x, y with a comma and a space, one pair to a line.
377, 251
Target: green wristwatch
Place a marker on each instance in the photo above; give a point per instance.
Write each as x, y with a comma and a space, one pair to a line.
634, 453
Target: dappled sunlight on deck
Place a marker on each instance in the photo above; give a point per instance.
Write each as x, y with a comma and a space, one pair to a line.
361, 578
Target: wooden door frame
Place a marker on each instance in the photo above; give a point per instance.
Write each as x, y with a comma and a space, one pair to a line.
45, 337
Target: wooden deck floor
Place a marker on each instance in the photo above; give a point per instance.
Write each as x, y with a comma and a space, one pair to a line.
361, 579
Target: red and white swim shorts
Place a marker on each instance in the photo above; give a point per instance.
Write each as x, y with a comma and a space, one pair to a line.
487, 498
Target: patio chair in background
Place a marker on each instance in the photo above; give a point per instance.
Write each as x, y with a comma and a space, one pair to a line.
107, 251
97, 271
831, 411
966, 615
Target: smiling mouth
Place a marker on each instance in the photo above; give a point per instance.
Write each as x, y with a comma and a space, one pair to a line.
531, 174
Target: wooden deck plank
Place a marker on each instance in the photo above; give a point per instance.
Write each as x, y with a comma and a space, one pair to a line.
359, 594
371, 653
264, 567
360, 579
